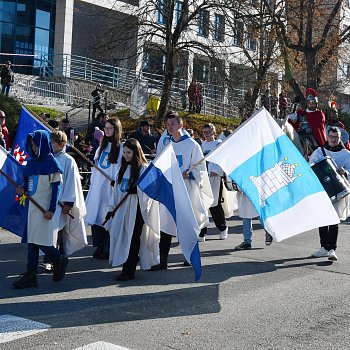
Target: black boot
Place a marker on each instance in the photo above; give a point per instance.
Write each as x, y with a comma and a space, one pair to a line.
26, 280
163, 264
59, 269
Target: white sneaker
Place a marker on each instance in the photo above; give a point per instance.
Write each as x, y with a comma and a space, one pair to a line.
332, 256
320, 253
201, 239
223, 234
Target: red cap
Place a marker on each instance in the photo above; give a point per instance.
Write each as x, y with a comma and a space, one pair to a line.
310, 91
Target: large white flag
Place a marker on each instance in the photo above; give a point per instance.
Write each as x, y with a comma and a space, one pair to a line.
279, 182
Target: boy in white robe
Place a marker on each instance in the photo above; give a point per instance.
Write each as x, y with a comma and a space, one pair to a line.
72, 235
188, 152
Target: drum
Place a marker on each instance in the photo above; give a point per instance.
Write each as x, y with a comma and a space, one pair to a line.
335, 185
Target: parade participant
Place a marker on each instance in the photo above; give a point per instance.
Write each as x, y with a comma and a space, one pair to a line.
333, 148
42, 182
127, 225
216, 182
5, 131
333, 120
72, 234
188, 153
108, 158
310, 123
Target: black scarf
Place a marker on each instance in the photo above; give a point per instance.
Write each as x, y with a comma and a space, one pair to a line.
337, 148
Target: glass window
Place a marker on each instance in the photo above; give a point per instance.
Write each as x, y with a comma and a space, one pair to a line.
42, 19
26, 13
203, 23
219, 27
178, 10
6, 42
8, 11
161, 15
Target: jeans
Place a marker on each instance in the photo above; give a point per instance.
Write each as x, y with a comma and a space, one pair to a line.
33, 255
247, 230
5, 89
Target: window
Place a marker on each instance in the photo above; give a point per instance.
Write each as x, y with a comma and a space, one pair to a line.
203, 23
178, 10
237, 34
161, 15
346, 70
251, 42
219, 28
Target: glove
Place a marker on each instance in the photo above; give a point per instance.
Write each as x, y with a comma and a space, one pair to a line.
109, 215
132, 190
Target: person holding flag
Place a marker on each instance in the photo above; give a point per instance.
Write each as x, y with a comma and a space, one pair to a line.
188, 153
131, 239
42, 176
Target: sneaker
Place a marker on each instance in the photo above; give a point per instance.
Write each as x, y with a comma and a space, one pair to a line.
124, 277
268, 239
243, 246
223, 234
320, 253
59, 269
26, 280
201, 239
332, 256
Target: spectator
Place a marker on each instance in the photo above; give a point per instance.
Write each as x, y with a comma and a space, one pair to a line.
68, 130
142, 134
282, 105
191, 133
265, 100
54, 124
2, 139
97, 124
5, 131
199, 100
97, 94
192, 93
156, 136
7, 78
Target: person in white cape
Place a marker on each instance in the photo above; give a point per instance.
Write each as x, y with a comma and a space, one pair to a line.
107, 158
224, 200
188, 153
72, 233
334, 149
130, 239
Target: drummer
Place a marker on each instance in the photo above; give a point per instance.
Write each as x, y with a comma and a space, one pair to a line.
335, 149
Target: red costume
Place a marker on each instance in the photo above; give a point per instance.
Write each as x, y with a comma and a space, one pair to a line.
311, 120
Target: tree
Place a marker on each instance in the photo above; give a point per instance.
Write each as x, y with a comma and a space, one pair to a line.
311, 33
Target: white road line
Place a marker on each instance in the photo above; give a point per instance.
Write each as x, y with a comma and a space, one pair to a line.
13, 327
101, 345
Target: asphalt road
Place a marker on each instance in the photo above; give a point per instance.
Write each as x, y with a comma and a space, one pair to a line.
273, 297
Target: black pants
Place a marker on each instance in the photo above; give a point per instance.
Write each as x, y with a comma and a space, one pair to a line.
100, 238
329, 236
217, 214
164, 244
129, 267
95, 106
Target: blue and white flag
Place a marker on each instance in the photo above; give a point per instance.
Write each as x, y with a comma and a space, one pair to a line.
12, 207
162, 181
27, 123
279, 182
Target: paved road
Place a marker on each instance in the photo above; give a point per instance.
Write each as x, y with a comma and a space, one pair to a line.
273, 297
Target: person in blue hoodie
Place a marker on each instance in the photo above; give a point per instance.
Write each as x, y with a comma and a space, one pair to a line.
42, 176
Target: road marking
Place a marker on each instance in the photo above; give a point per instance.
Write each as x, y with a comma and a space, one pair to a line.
13, 327
101, 345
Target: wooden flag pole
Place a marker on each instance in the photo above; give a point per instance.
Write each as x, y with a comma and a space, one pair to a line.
82, 155
116, 208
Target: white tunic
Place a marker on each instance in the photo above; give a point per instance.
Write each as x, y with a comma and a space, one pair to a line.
74, 233
121, 228
188, 152
342, 159
40, 230
100, 187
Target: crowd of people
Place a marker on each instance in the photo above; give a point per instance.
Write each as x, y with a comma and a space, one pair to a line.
122, 236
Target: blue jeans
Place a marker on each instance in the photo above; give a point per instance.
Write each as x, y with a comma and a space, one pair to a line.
33, 255
247, 230
5, 89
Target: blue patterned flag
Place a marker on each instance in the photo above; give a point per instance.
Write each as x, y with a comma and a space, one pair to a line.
276, 178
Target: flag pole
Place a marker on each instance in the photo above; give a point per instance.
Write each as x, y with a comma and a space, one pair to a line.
28, 196
82, 155
116, 208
